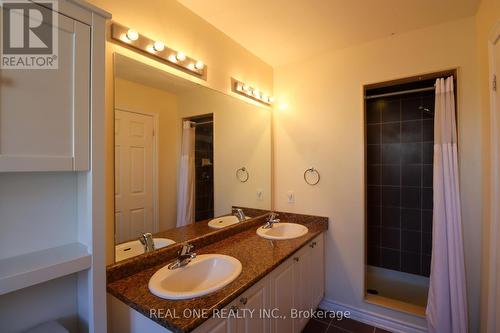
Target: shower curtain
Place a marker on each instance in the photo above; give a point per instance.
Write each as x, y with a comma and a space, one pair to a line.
447, 303
185, 199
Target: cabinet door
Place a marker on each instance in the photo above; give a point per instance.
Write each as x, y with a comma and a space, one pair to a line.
252, 305
44, 113
217, 325
303, 280
282, 297
318, 276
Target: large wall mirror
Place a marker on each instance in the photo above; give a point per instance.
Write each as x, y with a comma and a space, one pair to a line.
185, 157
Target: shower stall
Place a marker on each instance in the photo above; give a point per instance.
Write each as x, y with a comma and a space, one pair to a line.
399, 140
204, 167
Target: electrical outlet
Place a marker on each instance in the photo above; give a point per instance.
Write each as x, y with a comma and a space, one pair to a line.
291, 197
260, 194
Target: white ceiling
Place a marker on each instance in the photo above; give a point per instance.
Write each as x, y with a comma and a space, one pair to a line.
284, 31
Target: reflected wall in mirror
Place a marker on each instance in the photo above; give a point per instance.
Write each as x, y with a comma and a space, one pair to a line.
183, 153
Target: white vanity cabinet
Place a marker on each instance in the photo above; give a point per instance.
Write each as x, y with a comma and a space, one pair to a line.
45, 113
296, 284
253, 303
246, 313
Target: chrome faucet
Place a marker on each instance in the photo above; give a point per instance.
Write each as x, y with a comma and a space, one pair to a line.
271, 221
238, 212
184, 258
147, 241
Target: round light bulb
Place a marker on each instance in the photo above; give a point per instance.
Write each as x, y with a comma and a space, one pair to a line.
158, 46
191, 66
180, 56
199, 65
256, 93
271, 99
172, 58
132, 34
246, 88
265, 98
239, 86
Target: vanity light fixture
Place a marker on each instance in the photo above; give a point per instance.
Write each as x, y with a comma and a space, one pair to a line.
158, 46
180, 56
158, 50
253, 93
172, 58
199, 64
132, 35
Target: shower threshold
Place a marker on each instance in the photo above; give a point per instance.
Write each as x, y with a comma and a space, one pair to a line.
396, 290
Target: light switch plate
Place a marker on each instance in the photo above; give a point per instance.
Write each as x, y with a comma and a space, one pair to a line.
291, 197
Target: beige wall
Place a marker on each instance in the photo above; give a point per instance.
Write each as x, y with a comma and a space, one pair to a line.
180, 29
323, 127
487, 16
131, 96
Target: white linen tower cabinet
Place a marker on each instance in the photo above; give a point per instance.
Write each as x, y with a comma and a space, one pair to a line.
52, 265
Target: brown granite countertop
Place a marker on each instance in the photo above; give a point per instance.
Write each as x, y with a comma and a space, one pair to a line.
258, 257
201, 228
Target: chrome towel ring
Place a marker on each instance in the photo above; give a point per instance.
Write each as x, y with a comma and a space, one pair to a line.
242, 174
313, 173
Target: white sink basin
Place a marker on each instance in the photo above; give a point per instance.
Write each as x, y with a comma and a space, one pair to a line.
224, 221
281, 231
134, 248
205, 274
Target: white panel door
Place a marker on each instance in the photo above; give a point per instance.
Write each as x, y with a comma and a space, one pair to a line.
45, 113
133, 175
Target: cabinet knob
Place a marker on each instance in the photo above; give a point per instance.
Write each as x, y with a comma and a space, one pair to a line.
243, 300
296, 259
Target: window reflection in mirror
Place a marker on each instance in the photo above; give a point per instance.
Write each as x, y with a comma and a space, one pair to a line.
186, 157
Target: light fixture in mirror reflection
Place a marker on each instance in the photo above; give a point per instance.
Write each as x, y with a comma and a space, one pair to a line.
244, 89
177, 147
157, 49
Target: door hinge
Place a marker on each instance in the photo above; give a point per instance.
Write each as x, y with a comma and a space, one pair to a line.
494, 83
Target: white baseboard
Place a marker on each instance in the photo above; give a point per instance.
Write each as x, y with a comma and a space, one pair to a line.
372, 318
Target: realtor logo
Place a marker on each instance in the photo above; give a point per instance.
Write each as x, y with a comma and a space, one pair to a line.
29, 34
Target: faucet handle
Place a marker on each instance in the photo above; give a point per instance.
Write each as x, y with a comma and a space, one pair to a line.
147, 241
186, 248
273, 216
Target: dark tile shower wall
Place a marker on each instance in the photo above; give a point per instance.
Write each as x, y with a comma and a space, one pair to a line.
204, 160
399, 147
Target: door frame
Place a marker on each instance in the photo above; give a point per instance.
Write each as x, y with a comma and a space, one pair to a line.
156, 134
493, 277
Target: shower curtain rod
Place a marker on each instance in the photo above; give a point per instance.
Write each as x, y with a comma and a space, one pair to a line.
193, 123
400, 92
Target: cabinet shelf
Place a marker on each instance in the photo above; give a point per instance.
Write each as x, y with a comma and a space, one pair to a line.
36, 267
